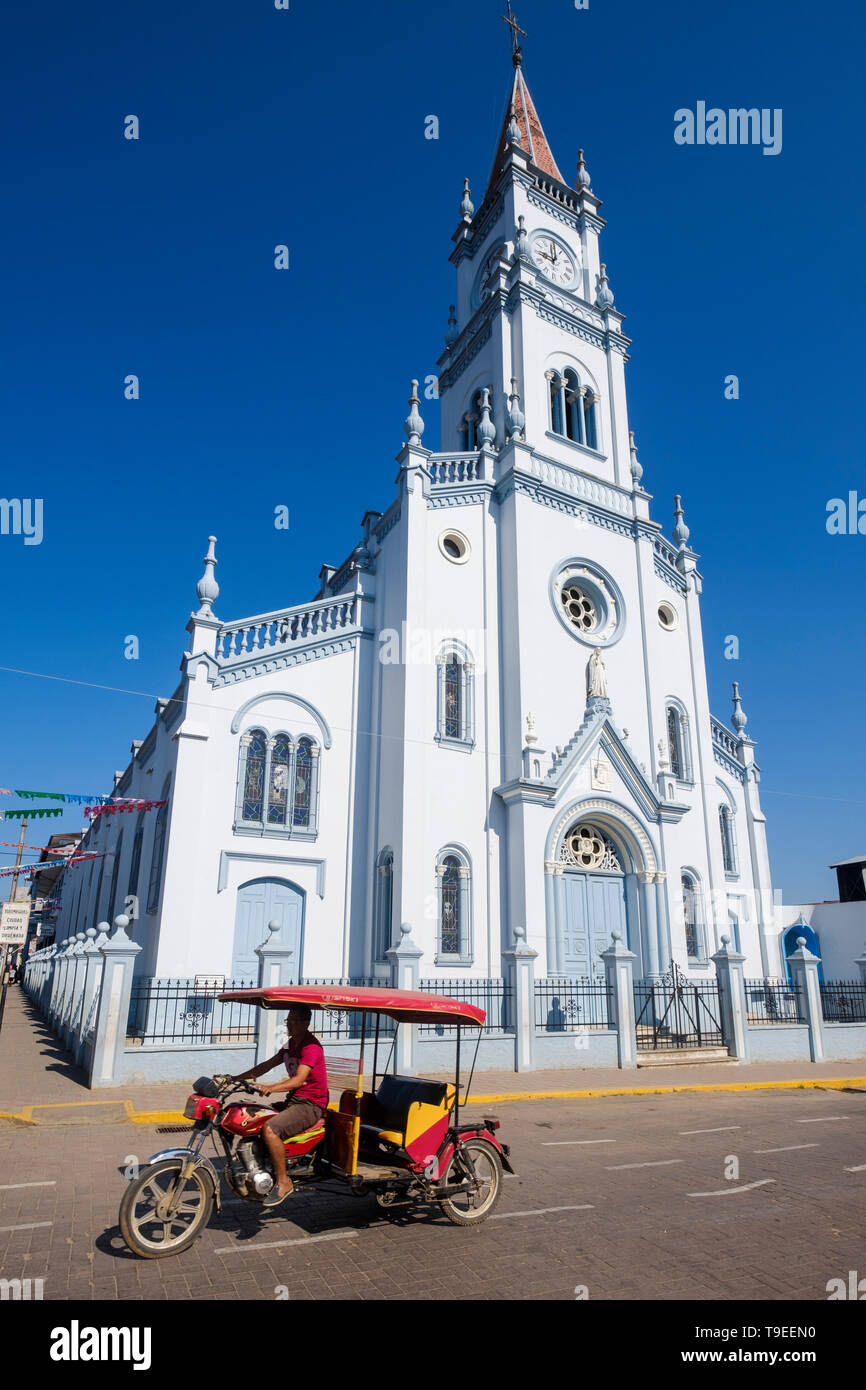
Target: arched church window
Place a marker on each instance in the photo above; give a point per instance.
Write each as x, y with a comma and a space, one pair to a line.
590, 419
579, 608
303, 785
469, 424
277, 790
455, 697
254, 746
573, 406
453, 890
158, 852
135, 861
691, 916
383, 903
679, 754
726, 827
278, 780
96, 903
557, 411
585, 846
112, 894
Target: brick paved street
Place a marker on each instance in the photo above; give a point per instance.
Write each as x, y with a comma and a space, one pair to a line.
580, 1212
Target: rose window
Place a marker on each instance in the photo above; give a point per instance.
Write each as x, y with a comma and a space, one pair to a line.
579, 608
587, 848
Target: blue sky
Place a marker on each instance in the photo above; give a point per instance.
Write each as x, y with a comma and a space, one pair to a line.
261, 388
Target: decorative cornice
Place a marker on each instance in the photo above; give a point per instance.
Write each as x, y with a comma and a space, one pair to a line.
556, 501
256, 666
553, 209
669, 575
457, 497
729, 764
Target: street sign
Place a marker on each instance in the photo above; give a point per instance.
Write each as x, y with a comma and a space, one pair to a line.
14, 921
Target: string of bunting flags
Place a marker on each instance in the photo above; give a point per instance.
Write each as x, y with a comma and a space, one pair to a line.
93, 805
125, 805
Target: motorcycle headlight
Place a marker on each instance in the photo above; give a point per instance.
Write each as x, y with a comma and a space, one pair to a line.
189, 1108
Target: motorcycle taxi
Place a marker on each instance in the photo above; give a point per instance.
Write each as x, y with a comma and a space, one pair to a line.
399, 1139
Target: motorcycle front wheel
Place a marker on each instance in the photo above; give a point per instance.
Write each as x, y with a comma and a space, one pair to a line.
476, 1202
145, 1224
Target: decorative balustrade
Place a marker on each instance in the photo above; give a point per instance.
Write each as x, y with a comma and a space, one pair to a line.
665, 550
448, 469
723, 738
291, 627
566, 479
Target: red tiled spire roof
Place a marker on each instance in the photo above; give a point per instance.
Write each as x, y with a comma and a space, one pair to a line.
533, 140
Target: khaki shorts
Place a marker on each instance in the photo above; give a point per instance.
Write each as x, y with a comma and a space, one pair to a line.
297, 1116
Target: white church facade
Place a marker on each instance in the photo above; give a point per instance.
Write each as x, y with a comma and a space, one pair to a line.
493, 717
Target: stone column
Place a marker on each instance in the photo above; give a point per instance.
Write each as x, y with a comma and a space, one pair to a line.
119, 953
521, 971
649, 923
804, 973
274, 969
619, 977
75, 991
729, 973
404, 959
666, 949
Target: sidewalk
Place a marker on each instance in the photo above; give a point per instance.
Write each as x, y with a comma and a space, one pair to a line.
39, 1082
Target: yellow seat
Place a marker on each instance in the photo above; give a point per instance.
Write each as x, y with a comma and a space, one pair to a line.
390, 1134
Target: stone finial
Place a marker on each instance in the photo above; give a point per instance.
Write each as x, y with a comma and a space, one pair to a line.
726, 941
582, 180
531, 735
739, 719
663, 759
274, 926
519, 933
514, 136
451, 330
516, 419
207, 590
413, 424
486, 427
681, 530
520, 249
636, 468
604, 297
467, 207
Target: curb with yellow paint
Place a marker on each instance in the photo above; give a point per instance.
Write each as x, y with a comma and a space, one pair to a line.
26, 1116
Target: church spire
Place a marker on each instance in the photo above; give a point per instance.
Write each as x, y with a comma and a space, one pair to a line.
521, 119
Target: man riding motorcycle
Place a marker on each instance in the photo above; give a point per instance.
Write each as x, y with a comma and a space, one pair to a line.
307, 1087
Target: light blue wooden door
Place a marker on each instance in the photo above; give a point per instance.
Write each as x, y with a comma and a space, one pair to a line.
594, 907
259, 902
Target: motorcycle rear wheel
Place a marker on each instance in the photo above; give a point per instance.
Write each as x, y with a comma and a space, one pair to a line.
154, 1236
471, 1207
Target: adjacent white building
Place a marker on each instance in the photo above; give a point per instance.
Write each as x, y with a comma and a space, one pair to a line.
494, 715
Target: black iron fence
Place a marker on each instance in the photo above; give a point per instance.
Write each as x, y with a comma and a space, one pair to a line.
493, 996
675, 1012
566, 1004
188, 1011
772, 1001
843, 1001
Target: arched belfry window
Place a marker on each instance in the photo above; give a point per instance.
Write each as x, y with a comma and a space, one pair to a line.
383, 904
573, 408
678, 741
453, 891
455, 696
468, 426
278, 785
694, 927
726, 830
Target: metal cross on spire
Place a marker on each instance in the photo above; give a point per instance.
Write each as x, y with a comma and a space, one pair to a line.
515, 28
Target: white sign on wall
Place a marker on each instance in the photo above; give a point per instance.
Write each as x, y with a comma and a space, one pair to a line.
14, 921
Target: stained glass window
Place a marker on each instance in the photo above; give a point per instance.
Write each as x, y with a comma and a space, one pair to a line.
675, 750
450, 907
254, 776
303, 785
278, 789
690, 913
453, 712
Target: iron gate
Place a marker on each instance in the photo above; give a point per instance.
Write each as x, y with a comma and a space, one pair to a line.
675, 1012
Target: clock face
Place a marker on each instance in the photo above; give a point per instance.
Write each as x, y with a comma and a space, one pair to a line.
554, 261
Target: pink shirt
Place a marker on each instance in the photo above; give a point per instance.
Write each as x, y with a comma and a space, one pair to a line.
307, 1051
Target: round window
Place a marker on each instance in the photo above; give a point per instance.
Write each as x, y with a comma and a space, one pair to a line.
579, 608
454, 547
667, 617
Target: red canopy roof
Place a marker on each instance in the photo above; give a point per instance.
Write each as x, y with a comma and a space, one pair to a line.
404, 1005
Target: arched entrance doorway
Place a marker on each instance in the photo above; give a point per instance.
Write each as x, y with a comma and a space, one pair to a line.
259, 902
593, 898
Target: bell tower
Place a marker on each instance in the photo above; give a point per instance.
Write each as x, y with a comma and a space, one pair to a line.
534, 346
